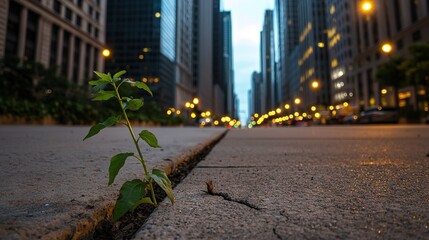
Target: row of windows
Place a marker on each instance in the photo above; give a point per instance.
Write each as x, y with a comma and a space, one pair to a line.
68, 15
74, 65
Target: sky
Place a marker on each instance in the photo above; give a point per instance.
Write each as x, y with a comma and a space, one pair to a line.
247, 19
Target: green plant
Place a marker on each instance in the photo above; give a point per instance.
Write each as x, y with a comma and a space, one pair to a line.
134, 192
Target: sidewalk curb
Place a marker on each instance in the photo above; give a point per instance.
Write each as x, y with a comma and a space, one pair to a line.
83, 228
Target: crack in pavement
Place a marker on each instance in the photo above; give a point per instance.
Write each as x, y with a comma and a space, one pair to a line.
277, 235
230, 199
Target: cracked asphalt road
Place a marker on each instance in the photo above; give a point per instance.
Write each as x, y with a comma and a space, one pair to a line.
347, 182
54, 185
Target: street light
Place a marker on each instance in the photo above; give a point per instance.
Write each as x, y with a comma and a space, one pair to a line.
106, 52
196, 101
387, 48
297, 101
315, 84
366, 6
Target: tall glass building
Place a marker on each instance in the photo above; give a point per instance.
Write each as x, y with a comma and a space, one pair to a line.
142, 38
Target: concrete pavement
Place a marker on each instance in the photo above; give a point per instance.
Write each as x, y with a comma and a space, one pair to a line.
360, 182
54, 185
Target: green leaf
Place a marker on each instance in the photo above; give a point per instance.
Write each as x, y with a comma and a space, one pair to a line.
162, 180
98, 82
116, 163
149, 138
118, 74
99, 87
99, 126
104, 76
131, 194
135, 104
104, 95
143, 85
144, 200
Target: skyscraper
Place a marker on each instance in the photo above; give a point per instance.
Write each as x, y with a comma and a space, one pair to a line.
342, 47
256, 88
59, 33
286, 16
142, 39
228, 61
313, 61
185, 89
269, 97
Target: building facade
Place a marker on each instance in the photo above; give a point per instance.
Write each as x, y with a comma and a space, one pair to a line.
142, 38
67, 35
228, 62
342, 47
267, 58
313, 60
185, 90
286, 16
257, 95
399, 22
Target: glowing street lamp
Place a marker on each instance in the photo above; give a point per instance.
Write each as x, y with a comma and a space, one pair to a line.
106, 53
366, 6
315, 84
387, 48
196, 101
297, 101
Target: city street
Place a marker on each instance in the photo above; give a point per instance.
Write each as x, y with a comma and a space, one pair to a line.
347, 182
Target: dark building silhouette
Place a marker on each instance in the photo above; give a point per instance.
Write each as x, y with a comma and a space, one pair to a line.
142, 39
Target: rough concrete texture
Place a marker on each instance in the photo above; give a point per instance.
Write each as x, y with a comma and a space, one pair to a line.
360, 182
54, 185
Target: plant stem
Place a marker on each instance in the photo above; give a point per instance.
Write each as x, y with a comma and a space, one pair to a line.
128, 124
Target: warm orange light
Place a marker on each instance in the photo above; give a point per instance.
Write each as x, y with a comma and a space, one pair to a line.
106, 52
287, 106
366, 6
196, 101
278, 110
315, 84
387, 48
297, 101
384, 91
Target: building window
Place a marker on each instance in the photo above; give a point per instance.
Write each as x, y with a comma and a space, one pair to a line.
96, 32
31, 36
78, 20
69, 14
414, 7
12, 35
76, 61
375, 31
90, 10
397, 10
65, 53
89, 28
80, 3
57, 7
427, 7
417, 36
96, 52
54, 45
86, 70
97, 16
